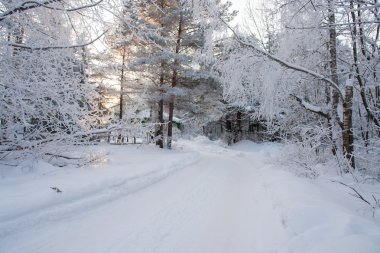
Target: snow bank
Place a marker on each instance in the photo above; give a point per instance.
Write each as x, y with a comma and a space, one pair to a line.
314, 218
319, 215
250, 146
127, 170
201, 143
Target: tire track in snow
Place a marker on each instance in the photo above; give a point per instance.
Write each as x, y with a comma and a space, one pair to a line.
183, 210
221, 211
214, 205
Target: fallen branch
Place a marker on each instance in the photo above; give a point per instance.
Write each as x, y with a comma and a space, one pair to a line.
63, 156
376, 202
357, 193
56, 189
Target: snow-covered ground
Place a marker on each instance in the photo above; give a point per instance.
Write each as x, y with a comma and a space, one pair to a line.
201, 197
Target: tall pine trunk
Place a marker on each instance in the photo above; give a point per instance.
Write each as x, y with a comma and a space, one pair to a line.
174, 83
121, 98
160, 132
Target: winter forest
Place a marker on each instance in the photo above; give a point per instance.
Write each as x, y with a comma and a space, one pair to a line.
190, 126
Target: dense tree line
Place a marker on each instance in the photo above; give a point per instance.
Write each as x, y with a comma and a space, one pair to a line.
308, 69
320, 81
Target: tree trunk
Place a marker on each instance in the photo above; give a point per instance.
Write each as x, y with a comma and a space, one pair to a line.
238, 131
333, 61
121, 102
122, 84
348, 136
334, 119
354, 36
174, 83
170, 123
160, 132
329, 122
368, 56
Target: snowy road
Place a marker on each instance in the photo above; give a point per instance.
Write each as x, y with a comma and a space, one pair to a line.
222, 201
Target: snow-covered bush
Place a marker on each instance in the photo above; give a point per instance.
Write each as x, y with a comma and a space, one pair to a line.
45, 94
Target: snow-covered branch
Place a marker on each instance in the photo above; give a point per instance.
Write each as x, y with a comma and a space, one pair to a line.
56, 47
28, 5
74, 8
311, 108
286, 64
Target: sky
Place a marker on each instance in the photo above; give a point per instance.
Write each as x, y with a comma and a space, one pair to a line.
244, 21
239, 5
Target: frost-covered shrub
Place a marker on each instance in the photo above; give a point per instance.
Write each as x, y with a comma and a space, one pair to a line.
45, 95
